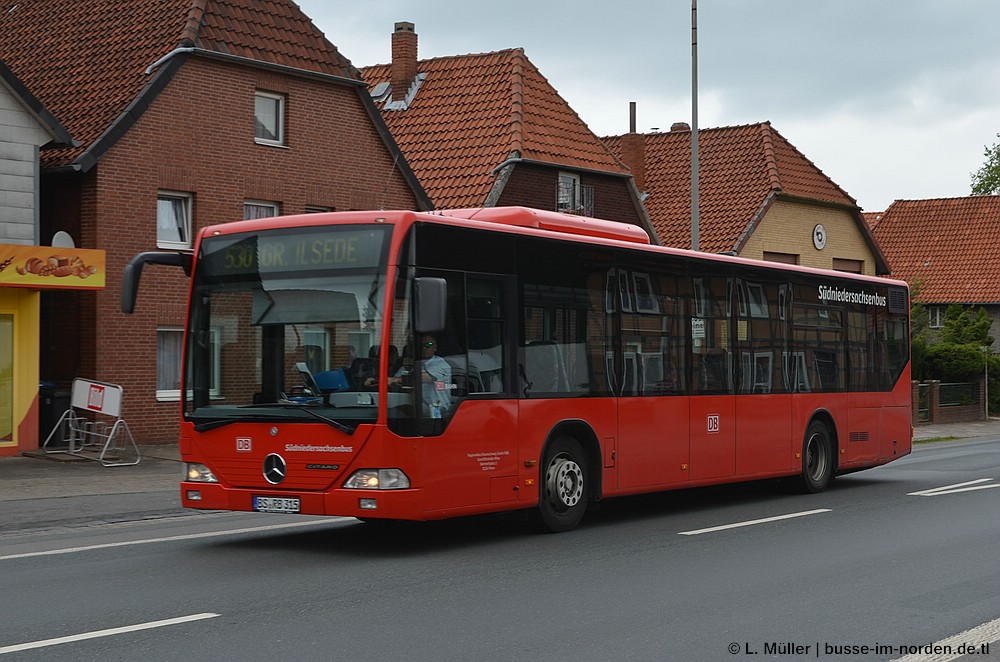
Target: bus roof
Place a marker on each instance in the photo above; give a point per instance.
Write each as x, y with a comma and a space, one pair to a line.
583, 227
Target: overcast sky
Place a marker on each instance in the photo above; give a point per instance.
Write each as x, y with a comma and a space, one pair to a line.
892, 99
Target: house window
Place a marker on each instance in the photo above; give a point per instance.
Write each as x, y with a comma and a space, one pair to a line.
168, 363
173, 220
259, 209
573, 197
269, 118
316, 347
935, 316
850, 266
783, 258
169, 353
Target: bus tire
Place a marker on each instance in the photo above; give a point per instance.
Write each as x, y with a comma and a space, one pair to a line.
818, 458
565, 489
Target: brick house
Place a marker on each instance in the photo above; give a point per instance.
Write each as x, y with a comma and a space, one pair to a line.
187, 113
947, 247
488, 130
760, 198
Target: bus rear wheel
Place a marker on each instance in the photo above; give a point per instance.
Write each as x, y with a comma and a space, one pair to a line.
818, 460
565, 487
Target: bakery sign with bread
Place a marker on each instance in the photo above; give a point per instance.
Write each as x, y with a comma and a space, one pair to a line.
50, 267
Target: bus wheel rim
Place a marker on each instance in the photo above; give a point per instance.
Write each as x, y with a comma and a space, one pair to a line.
564, 482
815, 457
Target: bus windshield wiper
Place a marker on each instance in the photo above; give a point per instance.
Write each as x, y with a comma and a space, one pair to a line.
329, 421
215, 423
219, 423
337, 425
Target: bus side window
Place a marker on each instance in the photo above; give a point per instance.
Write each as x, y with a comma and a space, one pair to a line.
485, 324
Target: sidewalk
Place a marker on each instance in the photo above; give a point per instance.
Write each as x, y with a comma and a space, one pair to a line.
988, 428
42, 491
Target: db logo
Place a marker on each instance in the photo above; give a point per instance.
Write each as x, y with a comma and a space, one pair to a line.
244, 444
713, 423
95, 398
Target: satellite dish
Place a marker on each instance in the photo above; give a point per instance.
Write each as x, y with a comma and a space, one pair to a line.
63, 240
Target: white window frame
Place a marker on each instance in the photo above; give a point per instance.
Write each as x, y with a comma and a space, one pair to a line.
318, 337
274, 126
935, 316
568, 196
645, 298
170, 394
259, 205
763, 371
795, 372
173, 395
757, 300
174, 200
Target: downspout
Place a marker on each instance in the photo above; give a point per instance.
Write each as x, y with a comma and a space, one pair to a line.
168, 56
513, 159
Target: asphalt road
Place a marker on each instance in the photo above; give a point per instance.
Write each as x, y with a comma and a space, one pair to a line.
903, 555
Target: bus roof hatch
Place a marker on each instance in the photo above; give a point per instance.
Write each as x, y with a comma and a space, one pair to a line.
553, 221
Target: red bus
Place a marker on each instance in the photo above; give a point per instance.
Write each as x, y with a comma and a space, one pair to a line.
418, 366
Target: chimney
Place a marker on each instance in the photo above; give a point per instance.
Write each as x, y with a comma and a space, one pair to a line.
679, 126
404, 59
634, 151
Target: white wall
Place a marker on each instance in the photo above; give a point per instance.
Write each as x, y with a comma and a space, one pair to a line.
20, 137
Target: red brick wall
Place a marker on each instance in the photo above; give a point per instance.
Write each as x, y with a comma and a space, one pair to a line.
198, 137
535, 186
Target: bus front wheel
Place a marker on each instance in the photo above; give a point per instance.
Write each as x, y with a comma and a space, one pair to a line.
565, 488
818, 460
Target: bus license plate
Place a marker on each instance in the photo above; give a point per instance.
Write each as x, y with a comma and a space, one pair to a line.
263, 504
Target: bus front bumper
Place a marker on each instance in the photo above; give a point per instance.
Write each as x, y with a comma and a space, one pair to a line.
390, 504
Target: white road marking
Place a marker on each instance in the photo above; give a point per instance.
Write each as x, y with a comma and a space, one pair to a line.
187, 536
105, 633
972, 642
753, 522
968, 486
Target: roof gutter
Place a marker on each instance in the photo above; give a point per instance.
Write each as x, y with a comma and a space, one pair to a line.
250, 62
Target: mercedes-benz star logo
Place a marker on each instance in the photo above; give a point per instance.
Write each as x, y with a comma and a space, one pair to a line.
274, 468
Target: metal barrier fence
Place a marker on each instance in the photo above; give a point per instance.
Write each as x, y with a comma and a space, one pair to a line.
958, 394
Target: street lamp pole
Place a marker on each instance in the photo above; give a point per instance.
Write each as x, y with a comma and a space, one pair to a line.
695, 220
986, 382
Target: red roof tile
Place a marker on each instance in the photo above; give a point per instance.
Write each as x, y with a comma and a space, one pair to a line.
949, 246
872, 218
88, 58
739, 167
472, 112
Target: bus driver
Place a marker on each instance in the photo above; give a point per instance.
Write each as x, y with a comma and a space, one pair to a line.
435, 378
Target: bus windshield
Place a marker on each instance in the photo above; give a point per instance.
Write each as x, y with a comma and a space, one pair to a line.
285, 325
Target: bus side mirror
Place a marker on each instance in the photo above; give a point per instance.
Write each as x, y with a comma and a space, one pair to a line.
133, 271
430, 297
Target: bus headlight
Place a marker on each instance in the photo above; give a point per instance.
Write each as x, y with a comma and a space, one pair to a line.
199, 473
378, 479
